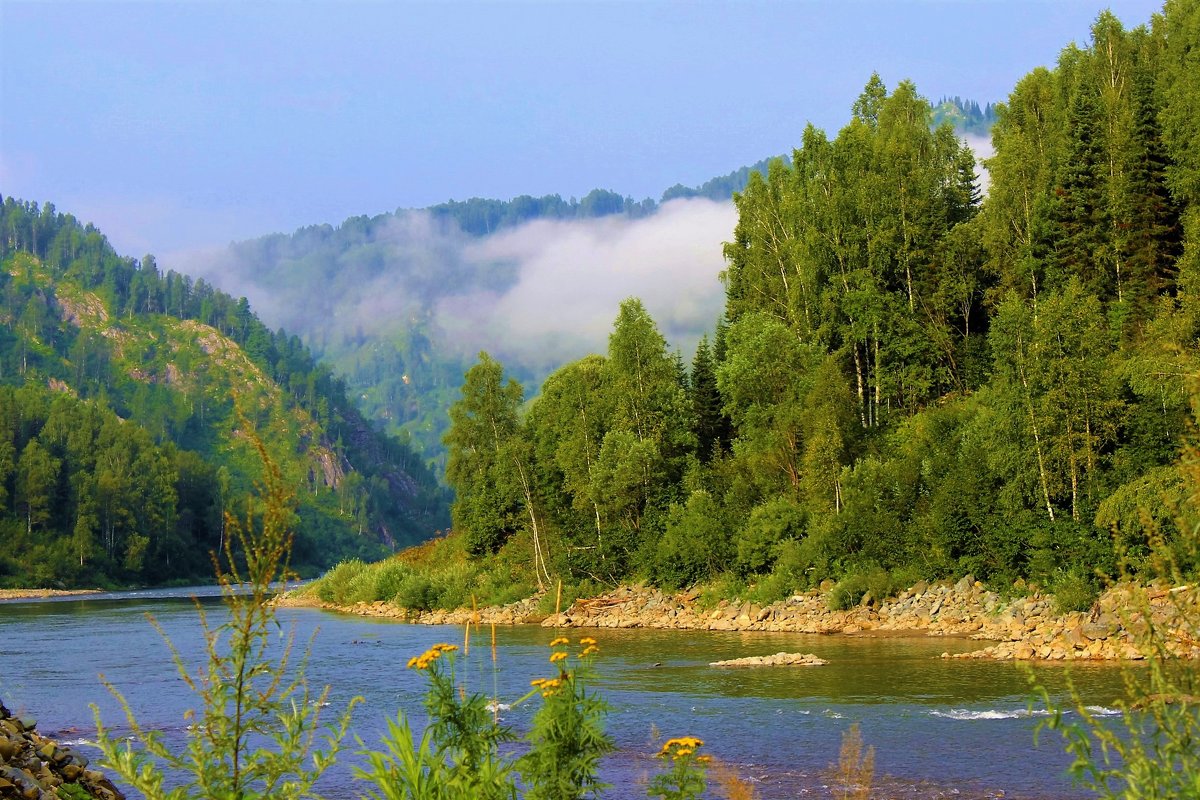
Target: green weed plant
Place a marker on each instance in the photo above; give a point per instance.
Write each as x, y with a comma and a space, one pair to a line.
257, 731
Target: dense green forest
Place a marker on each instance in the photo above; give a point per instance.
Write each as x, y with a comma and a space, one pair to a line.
908, 382
126, 393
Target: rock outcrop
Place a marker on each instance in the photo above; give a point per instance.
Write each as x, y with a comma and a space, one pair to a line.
777, 660
33, 767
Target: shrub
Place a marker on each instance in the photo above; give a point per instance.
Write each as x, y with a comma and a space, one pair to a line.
1074, 590
417, 593
773, 587
770, 524
695, 543
848, 592
334, 587
390, 577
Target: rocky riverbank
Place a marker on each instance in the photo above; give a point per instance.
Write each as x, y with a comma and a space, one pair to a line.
33, 767
1023, 628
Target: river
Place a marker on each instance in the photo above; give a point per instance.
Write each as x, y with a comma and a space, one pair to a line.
940, 727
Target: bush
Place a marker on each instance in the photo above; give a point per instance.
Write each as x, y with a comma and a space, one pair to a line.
334, 587
774, 587
390, 577
417, 593
1074, 590
848, 592
770, 524
695, 543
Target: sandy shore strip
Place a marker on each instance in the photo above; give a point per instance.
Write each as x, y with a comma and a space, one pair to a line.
33, 594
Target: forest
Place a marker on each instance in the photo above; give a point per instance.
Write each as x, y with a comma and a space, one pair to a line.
909, 380
127, 396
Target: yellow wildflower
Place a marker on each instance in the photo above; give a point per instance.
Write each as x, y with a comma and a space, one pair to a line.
705, 759
429, 656
587, 640
590, 650
556, 657
560, 640
680, 747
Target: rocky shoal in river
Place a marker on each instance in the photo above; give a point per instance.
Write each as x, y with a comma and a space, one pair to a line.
1022, 628
27, 594
33, 767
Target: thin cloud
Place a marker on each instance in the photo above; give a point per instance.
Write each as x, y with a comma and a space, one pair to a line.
572, 277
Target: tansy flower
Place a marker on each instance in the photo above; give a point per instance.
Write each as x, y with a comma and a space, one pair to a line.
680, 747
591, 649
429, 656
556, 657
587, 640
560, 640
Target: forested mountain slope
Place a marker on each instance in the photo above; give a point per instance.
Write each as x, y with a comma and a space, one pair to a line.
909, 382
127, 397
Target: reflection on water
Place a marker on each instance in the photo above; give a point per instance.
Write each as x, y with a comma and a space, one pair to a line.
941, 727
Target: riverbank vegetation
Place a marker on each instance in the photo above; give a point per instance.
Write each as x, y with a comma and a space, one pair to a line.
908, 382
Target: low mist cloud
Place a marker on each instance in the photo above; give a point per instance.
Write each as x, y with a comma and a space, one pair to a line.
982, 147
539, 294
572, 277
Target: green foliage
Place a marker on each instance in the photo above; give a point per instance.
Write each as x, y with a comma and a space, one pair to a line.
180, 360
257, 726
334, 586
73, 791
848, 592
567, 737
1074, 590
1151, 752
695, 544
770, 524
875, 583
437, 575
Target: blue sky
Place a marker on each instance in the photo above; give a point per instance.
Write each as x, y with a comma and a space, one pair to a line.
174, 126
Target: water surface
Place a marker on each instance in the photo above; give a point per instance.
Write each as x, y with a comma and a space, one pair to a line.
940, 727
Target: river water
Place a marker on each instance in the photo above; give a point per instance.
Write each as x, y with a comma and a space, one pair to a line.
940, 727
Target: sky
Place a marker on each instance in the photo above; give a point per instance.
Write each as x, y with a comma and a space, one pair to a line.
176, 127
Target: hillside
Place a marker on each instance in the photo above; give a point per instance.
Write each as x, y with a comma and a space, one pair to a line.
184, 368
